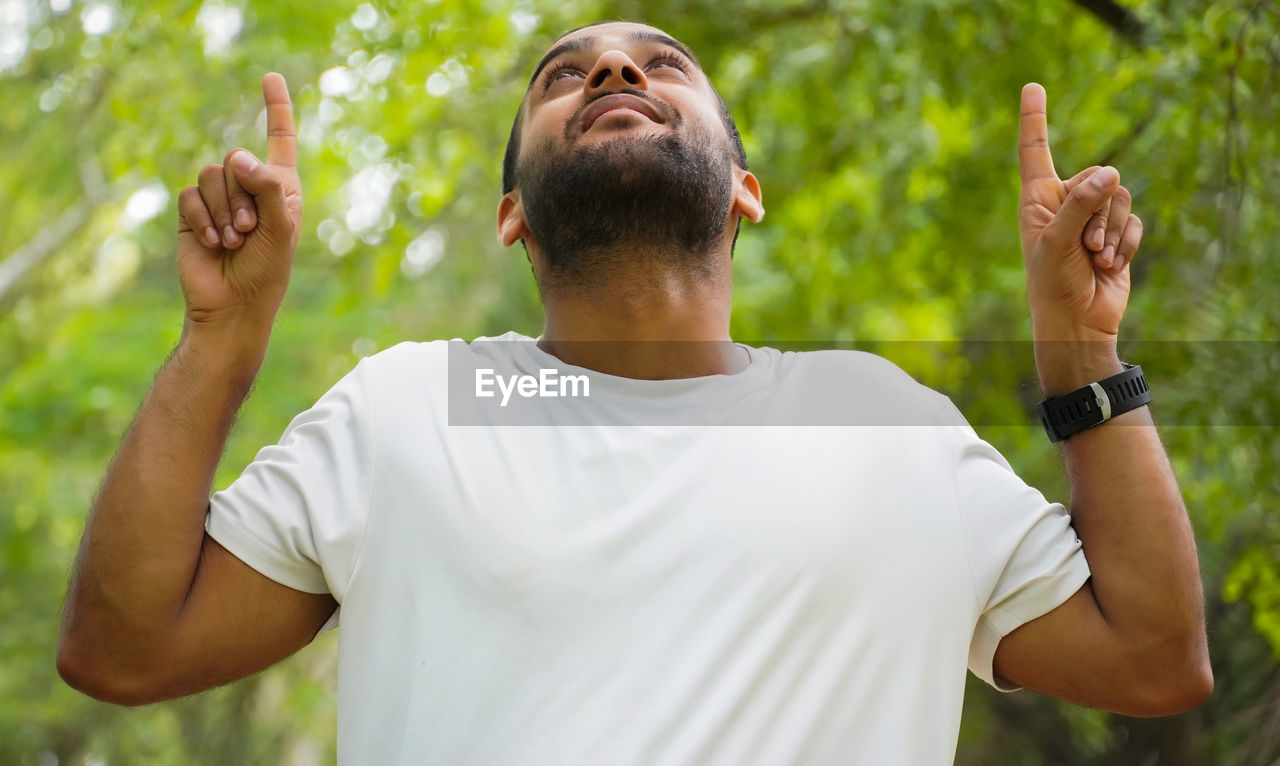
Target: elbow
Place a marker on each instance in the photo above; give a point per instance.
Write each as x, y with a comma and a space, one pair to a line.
1178, 691
96, 678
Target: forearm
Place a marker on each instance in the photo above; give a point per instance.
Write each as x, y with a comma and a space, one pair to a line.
1129, 514
143, 538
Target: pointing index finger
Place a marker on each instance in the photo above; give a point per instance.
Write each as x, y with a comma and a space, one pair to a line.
1033, 136
282, 137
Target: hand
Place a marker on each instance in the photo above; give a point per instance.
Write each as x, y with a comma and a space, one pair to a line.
1078, 238
237, 229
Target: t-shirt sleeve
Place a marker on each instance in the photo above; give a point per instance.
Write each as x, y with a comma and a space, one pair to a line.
1024, 556
298, 512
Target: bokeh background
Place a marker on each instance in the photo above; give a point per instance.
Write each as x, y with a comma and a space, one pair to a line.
884, 136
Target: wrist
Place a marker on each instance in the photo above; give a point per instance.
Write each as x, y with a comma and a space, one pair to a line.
1063, 366
232, 346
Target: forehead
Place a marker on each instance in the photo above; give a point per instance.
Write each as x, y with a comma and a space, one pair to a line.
617, 30
601, 37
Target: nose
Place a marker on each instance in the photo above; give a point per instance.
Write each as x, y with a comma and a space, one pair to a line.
615, 70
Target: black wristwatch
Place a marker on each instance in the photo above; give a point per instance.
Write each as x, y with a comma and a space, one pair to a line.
1095, 403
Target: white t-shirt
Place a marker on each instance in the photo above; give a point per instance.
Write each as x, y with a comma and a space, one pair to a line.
694, 572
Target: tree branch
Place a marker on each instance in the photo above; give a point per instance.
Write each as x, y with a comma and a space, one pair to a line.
1119, 18
46, 242
51, 238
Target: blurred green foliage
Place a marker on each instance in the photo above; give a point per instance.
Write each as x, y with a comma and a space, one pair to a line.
883, 134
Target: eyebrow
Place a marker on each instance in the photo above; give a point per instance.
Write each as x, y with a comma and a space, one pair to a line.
584, 43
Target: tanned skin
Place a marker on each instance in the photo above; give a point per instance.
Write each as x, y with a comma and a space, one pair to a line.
156, 609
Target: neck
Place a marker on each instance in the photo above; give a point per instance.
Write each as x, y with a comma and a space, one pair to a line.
651, 326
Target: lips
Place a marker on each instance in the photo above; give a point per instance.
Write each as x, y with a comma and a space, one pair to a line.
603, 106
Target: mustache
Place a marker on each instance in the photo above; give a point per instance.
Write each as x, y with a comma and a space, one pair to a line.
669, 113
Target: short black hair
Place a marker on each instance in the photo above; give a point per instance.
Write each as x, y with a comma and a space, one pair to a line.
512, 153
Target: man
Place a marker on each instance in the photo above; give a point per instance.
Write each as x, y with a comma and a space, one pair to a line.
635, 578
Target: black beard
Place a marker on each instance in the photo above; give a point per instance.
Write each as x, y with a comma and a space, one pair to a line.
665, 198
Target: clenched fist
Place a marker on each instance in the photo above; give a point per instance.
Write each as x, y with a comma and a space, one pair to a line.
238, 227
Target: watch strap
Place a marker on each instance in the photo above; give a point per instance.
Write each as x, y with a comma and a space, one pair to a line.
1096, 403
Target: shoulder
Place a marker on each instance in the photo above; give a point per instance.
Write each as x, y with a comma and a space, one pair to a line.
860, 365
434, 354
429, 357
866, 388
406, 356
424, 370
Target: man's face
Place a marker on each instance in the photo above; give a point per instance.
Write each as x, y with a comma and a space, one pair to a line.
610, 80
623, 154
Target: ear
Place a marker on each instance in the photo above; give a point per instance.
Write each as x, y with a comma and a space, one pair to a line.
748, 201
512, 226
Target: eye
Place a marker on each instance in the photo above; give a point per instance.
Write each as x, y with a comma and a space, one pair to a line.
561, 71
666, 60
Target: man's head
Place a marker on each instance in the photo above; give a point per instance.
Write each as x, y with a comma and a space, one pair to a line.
621, 149
513, 142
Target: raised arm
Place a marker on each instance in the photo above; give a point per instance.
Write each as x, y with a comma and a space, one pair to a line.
155, 608
1132, 640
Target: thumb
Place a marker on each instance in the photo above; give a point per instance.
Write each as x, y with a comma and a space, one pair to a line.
1083, 201
266, 186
